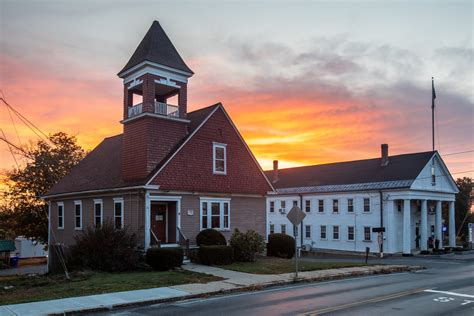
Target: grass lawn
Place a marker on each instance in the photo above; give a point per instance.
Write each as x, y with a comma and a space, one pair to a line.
271, 265
47, 287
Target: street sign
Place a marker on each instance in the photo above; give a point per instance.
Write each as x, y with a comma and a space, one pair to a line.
378, 230
296, 215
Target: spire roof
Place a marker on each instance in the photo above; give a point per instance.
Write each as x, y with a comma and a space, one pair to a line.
156, 47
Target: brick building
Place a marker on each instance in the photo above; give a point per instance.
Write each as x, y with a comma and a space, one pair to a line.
171, 173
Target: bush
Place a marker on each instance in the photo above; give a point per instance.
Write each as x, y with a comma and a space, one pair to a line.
425, 252
163, 259
246, 245
215, 255
104, 249
280, 245
210, 237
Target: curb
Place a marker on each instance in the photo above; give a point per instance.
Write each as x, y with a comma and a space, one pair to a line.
250, 288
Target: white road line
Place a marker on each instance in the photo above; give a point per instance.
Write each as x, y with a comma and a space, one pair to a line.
450, 293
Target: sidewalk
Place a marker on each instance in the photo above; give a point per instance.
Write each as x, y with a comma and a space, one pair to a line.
234, 281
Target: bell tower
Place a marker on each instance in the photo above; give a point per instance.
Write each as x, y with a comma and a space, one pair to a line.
152, 124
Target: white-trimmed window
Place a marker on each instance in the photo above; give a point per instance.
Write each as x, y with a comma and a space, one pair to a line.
60, 215
350, 233
272, 228
350, 205
366, 205
295, 202
335, 206
307, 206
321, 206
283, 205
98, 213
215, 213
367, 234
307, 231
77, 215
219, 157
323, 232
283, 228
272, 206
118, 213
335, 232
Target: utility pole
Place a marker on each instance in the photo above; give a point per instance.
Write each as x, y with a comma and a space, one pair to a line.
433, 97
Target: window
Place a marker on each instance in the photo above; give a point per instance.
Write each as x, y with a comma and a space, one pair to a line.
77, 215
272, 228
118, 213
283, 228
219, 158
272, 206
98, 213
307, 231
321, 206
295, 203
283, 205
367, 233
335, 232
60, 215
399, 207
323, 232
366, 205
308, 206
335, 206
350, 233
350, 205
215, 214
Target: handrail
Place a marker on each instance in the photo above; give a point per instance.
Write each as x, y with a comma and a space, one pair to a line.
156, 238
182, 238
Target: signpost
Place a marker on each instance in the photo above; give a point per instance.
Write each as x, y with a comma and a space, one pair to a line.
296, 216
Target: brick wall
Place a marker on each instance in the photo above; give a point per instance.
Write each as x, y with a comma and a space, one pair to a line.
191, 169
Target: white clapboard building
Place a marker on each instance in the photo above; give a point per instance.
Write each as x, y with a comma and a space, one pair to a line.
344, 202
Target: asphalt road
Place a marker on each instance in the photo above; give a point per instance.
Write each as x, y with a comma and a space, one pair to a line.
446, 287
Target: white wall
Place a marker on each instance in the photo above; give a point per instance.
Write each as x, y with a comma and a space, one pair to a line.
343, 219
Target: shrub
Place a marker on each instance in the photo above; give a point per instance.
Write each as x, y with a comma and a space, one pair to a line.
210, 237
104, 249
215, 255
163, 259
281, 245
246, 245
425, 252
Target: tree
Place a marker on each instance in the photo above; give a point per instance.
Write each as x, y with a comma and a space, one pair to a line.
47, 163
463, 206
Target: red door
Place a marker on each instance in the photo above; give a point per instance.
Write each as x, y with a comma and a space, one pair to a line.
158, 222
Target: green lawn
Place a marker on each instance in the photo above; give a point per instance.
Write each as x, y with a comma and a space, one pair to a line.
38, 288
271, 265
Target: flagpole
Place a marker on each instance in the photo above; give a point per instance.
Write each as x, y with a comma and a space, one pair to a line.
433, 96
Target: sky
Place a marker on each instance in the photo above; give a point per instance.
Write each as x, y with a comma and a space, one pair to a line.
306, 82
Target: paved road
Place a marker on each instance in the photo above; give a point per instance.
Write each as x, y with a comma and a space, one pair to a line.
445, 288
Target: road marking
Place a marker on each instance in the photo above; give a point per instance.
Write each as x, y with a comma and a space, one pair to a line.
371, 300
443, 299
450, 293
467, 302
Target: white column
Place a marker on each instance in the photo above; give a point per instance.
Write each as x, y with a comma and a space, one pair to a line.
406, 227
439, 224
147, 220
390, 227
424, 225
452, 226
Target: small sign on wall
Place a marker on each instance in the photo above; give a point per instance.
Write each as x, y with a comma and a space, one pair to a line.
158, 218
190, 212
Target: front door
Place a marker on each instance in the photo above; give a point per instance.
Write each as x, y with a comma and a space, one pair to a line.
159, 216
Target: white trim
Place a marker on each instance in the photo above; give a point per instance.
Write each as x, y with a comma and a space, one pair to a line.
353, 233
310, 231
147, 220
155, 67
49, 238
221, 202
153, 187
161, 116
182, 145
214, 159
100, 202
60, 204
215, 199
338, 232
77, 202
159, 198
167, 82
119, 201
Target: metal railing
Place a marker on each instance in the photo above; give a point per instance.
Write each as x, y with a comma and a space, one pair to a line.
166, 109
135, 110
182, 241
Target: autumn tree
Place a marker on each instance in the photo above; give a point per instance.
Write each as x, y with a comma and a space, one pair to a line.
47, 162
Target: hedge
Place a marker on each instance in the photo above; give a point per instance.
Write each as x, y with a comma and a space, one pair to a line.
215, 255
210, 237
281, 245
162, 259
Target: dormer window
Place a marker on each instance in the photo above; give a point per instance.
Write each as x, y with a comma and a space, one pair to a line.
219, 156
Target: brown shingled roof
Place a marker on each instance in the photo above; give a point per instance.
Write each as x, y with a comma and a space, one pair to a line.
400, 167
101, 169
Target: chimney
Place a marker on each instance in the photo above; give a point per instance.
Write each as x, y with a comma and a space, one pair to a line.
384, 159
275, 171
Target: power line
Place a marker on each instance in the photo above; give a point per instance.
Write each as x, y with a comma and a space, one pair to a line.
9, 147
458, 153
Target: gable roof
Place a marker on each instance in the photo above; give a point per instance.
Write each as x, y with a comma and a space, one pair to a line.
157, 47
365, 174
101, 169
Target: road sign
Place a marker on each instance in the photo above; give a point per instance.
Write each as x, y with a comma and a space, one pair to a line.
296, 215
